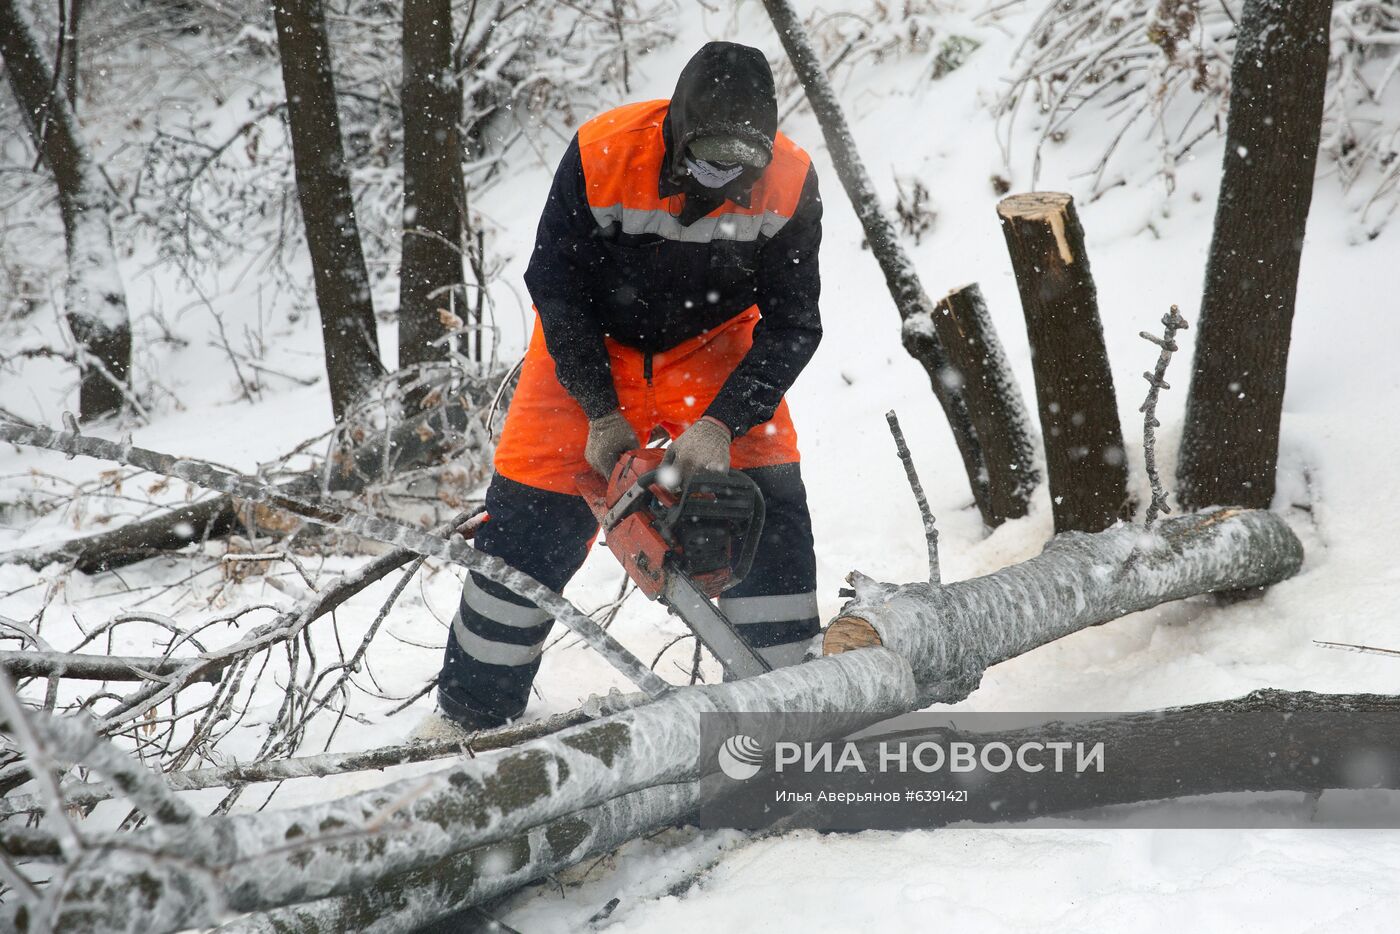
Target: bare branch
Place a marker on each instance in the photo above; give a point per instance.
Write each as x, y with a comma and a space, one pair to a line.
935, 575
32, 664
1172, 322
86, 794
455, 551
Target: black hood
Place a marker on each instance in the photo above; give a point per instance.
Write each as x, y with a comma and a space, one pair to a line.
726, 89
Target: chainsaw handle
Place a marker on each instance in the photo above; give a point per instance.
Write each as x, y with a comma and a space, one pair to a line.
741, 570
647, 487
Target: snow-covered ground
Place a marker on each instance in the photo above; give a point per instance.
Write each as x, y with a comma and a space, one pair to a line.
1340, 442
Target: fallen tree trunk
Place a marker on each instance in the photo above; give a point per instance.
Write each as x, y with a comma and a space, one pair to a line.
1267, 741
1193, 734
207, 519
951, 634
404, 903
193, 874
261, 861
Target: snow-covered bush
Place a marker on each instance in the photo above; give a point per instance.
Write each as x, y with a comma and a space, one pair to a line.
1161, 69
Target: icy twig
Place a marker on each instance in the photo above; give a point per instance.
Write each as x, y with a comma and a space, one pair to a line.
18, 725
935, 575
1172, 322
322, 512
1350, 647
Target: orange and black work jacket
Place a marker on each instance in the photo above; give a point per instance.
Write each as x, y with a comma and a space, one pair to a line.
630, 248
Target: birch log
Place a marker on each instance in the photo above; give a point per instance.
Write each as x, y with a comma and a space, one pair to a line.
405, 903
1316, 757
952, 634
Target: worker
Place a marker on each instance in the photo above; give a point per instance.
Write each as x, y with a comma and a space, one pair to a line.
675, 282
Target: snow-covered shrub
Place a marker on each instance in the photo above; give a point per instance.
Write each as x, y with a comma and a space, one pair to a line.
1161, 69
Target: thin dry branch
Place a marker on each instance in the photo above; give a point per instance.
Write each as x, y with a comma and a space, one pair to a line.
1172, 322
34, 664
935, 575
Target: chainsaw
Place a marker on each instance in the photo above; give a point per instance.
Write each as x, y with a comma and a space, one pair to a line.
683, 546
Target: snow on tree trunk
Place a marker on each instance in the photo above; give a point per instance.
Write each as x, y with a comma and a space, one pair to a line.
406, 902
1229, 449
95, 299
953, 633
994, 401
431, 269
327, 207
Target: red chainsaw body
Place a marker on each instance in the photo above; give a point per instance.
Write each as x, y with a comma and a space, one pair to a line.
637, 539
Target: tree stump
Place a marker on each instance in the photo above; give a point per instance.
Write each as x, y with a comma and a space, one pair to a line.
1084, 455
994, 404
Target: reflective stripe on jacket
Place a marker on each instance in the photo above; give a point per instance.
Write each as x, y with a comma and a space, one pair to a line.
618, 254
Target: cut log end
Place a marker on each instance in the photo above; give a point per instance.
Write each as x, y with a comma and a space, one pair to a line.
1050, 208
1034, 205
847, 634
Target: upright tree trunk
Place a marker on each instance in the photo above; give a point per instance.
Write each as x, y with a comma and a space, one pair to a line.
71, 20
327, 208
1230, 447
1073, 383
95, 301
432, 220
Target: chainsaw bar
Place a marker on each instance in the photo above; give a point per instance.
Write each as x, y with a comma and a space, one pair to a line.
712, 627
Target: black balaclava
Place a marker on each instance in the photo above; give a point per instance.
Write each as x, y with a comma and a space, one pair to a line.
726, 89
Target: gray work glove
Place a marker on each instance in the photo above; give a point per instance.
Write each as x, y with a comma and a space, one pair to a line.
609, 438
702, 446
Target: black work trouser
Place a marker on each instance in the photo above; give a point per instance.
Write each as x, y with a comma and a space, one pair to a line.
494, 650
